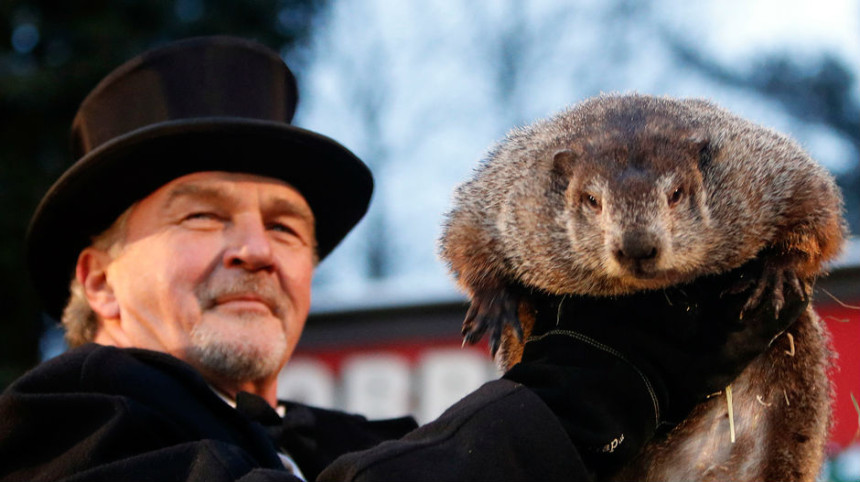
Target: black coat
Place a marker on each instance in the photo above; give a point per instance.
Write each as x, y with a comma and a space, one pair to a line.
102, 413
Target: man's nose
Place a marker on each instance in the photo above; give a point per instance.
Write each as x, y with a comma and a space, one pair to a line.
249, 246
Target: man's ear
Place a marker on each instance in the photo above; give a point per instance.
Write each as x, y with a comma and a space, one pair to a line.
91, 272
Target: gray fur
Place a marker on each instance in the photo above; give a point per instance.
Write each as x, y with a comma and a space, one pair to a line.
587, 202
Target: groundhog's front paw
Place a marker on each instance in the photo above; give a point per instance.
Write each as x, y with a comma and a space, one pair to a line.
489, 312
777, 275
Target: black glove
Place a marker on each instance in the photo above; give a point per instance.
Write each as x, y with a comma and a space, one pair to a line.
615, 369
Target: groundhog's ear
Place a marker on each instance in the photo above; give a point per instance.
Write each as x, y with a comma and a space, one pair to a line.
562, 168
563, 161
700, 146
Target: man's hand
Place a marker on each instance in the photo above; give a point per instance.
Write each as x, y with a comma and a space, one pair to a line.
614, 369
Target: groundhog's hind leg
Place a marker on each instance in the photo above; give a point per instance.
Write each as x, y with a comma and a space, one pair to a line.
492, 308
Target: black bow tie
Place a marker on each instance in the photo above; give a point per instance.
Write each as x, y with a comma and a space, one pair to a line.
258, 410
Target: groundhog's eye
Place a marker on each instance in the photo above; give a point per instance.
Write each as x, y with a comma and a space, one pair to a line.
591, 201
676, 196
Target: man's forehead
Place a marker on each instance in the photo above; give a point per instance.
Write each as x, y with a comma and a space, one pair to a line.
219, 183
219, 177
224, 188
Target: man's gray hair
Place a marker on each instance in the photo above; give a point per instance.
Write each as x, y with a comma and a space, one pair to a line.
79, 319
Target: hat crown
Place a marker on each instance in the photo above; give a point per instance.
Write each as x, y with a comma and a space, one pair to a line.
193, 79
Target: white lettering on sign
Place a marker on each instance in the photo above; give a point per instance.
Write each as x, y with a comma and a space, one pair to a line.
308, 381
376, 386
385, 384
446, 376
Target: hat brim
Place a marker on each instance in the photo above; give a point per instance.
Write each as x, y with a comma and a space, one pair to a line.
91, 194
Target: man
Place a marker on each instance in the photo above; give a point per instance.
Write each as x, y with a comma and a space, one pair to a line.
190, 227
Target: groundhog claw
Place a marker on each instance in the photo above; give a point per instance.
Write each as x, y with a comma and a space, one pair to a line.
774, 278
489, 313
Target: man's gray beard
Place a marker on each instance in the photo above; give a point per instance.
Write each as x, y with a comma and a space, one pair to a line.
235, 359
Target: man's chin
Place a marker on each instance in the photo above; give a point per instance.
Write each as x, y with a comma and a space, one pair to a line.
241, 312
239, 358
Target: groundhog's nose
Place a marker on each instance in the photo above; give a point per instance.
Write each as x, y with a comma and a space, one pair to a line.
638, 252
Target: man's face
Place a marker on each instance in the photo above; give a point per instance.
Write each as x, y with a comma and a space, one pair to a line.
216, 270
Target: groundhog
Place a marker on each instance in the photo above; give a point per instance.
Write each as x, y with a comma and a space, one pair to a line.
626, 193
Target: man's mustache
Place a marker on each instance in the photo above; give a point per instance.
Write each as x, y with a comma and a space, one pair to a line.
262, 287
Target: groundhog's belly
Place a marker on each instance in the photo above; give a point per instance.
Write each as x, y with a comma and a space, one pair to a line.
781, 413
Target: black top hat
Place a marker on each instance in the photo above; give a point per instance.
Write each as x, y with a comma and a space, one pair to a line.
203, 104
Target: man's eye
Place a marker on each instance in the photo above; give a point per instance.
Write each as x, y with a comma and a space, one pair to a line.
282, 228
202, 218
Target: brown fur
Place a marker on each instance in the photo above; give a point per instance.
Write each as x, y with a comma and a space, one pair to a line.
627, 193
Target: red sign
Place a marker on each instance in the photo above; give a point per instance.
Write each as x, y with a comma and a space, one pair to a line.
844, 325
424, 377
